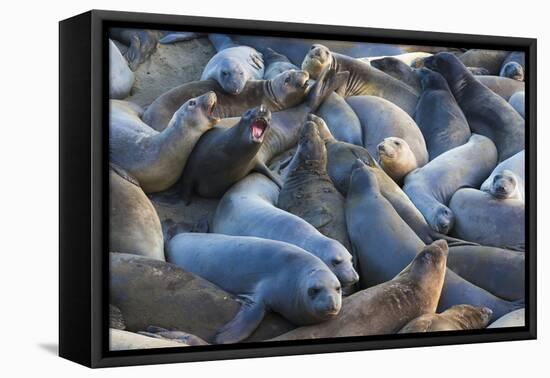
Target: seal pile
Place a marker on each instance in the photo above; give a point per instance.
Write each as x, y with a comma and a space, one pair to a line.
296, 189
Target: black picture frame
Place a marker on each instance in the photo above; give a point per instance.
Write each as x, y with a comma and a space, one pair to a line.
83, 196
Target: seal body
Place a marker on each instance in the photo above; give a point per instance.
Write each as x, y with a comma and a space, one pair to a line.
308, 191
386, 308
233, 66
266, 274
156, 159
248, 209
487, 113
517, 101
134, 225
438, 115
151, 292
484, 219
381, 119
223, 156
513, 319
457, 318
499, 271
430, 188
514, 164
491, 60
399, 69
503, 86
283, 91
363, 79
121, 77
124, 340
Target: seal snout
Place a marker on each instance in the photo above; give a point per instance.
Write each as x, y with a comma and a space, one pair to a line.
209, 101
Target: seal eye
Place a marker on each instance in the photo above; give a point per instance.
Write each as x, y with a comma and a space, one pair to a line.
192, 103
225, 73
312, 291
287, 80
338, 289
397, 143
336, 262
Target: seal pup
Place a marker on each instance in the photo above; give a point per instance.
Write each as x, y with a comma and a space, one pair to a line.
456, 318
484, 219
505, 185
499, 271
283, 91
381, 119
156, 159
151, 292
134, 225
400, 70
248, 209
430, 188
487, 113
517, 101
514, 164
503, 86
233, 65
386, 308
141, 44
438, 115
385, 251
363, 79
491, 60
513, 319
266, 275
396, 158
121, 77
308, 191
223, 156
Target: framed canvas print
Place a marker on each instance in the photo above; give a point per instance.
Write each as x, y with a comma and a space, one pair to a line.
234, 188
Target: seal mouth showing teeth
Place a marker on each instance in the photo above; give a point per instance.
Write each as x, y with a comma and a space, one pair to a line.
258, 129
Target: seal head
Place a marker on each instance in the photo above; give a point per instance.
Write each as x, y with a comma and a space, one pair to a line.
504, 185
290, 87
513, 70
321, 295
255, 124
317, 60
443, 219
197, 112
231, 76
396, 158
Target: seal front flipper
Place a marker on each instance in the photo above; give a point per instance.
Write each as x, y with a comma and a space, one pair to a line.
133, 54
243, 324
263, 169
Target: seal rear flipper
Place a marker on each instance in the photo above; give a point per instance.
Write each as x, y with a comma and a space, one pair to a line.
243, 324
453, 242
328, 82
263, 169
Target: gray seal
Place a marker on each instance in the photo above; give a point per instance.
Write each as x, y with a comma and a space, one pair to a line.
499, 271
456, 318
283, 91
430, 188
134, 225
308, 191
517, 101
223, 156
363, 79
514, 164
248, 209
484, 219
386, 308
156, 159
385, 244
121, 77
233, 65
381, 119
266, 275
487, 113
156, 293
438, 115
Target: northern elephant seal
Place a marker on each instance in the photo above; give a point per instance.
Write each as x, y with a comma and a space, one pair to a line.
491, 60
381, 119
515, 164
308, 191
505, 185
513, 319
484, 219
499, 271
386, 308
121, 77
248, 209
502, 86
517, 101
156, 159
410, 59
396, 158
141, 44
438, 115
223, 156
363, 79
151, 292
385, 244
267, 275
430, 188
134, 225
286, 90
233, 66
456, 318
487, 113
400, 70
512, 70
